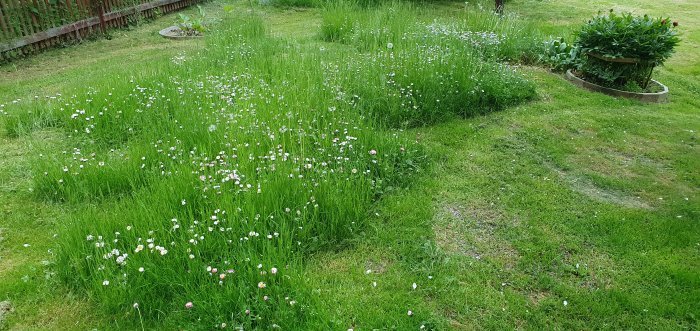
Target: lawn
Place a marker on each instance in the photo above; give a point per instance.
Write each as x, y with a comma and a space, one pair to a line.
272, 177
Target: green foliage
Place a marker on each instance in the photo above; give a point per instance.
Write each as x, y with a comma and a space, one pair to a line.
503, 38
260, 152
627, 36
641, 42
193, 26
553, 201
415, 72
28, 116
559, 55
414, 87
292, 3
250, 155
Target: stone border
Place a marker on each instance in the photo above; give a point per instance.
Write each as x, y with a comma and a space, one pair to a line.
657, 97
171, 33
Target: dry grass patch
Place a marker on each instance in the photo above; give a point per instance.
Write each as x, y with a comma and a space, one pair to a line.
473, 231
588, 188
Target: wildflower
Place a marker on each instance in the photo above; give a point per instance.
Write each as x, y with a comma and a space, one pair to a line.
266, 298
389, 45
373, 152
414, 286
105, 283
273, 271
214, 270
410, 313
222, 276
189, 305
136, 305
566, 303
261, 285
121, 260
247, 311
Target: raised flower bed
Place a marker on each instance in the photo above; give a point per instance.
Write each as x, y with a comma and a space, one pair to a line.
187, 28
617, 55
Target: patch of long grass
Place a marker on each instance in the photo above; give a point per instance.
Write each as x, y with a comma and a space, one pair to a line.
203, 183
211, 178
413, 72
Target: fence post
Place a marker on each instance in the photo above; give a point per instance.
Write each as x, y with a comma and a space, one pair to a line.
98, 8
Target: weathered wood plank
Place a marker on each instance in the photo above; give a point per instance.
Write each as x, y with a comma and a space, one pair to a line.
88, 23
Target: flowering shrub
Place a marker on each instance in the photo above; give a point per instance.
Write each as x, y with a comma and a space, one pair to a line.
624, 48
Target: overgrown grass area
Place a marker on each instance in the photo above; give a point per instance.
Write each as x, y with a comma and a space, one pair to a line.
391, 166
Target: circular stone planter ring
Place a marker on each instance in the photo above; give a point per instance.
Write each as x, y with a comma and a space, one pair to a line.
657, 97
173, 32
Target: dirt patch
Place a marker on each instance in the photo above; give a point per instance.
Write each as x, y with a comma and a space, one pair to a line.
586, 187
536, 297
473, 230
5, 309
377, 267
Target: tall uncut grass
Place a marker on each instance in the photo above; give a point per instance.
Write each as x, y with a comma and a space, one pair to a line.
412, 72
201, 184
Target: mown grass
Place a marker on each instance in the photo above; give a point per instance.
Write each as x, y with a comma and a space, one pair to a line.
575, 197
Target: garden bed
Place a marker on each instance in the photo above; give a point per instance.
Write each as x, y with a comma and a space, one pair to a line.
651, 97
175, 33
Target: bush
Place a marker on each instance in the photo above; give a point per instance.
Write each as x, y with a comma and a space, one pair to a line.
624, 49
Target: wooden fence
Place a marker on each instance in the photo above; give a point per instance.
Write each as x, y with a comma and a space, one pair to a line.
27, 26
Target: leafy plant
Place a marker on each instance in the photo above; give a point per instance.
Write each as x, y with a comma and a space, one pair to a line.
559, 54
193, 26
623, 48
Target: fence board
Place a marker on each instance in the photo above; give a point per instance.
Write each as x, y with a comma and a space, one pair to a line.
30, 25
3, 24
